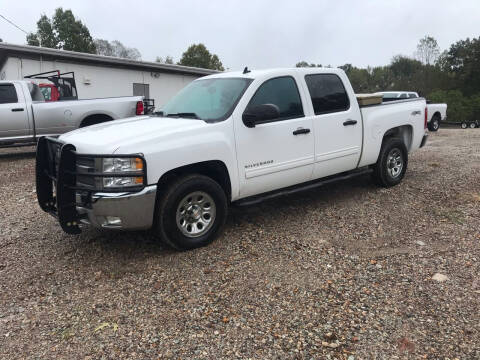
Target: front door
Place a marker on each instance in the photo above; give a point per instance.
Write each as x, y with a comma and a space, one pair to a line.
13, 114
277, 153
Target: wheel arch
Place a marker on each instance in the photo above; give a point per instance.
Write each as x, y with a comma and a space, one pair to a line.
215, 169
438, 114
404, 132
95, 119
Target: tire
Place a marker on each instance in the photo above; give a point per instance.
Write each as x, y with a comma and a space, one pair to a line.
473, 125
464, 125
191, 212
391, 164
95, 119
434, 124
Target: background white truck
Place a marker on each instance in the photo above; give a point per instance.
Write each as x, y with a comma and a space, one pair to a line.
226, 138
25, 116
436, 112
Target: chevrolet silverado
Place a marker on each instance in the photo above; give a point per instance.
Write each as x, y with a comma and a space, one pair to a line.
235, 137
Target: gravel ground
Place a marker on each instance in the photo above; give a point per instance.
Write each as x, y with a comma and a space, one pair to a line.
347, 271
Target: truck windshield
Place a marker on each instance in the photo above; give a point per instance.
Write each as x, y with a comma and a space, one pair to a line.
208, 99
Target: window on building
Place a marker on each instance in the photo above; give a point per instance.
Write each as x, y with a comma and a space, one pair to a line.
141, 90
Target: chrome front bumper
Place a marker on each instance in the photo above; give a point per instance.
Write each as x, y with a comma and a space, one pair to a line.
123, 211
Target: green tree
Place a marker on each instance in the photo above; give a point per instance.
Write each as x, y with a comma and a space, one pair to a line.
45, 35
168, 60
116, 49
62, 31
460, 108
462, 63
306, 64
359, 78
197, 55
428, 50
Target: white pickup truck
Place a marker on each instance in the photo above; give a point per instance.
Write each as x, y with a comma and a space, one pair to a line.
226, 138
25, 116
437, 112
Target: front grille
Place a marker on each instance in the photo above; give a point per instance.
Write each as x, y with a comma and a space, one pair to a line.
53, 157
85, 165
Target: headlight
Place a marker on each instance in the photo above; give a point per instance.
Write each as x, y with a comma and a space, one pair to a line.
132, 166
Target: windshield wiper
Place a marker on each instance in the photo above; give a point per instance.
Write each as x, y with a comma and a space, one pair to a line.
184, 114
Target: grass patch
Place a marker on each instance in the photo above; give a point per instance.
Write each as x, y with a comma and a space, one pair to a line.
453, 215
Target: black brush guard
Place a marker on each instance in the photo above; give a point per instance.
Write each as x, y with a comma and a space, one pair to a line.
56, 174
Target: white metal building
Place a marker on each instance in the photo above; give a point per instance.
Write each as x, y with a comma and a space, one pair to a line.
97, 75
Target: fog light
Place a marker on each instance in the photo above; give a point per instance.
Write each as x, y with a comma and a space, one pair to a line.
112, 221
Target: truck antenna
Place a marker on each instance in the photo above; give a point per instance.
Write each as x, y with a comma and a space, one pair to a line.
246, 71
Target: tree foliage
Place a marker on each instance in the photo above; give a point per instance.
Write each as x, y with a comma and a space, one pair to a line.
197, 55
306, 64
62, 31
116, 49
451, 77
462, 63
168, 60
428, 51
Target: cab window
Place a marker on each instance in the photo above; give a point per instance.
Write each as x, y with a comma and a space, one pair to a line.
8, 95
327, 93
283, 93
47, 93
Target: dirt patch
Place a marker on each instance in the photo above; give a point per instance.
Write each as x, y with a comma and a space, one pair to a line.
341, 272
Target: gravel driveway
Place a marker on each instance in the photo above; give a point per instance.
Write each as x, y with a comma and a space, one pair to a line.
341, 272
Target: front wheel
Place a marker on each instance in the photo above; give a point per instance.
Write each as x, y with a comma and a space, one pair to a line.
191, 212
473, 125
391, 164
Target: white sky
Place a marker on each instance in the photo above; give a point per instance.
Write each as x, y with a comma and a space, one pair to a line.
263, 33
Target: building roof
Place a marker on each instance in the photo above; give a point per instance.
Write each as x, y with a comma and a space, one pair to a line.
7, 50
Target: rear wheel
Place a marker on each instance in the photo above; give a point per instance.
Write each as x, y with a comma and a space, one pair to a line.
434, 124
473, 125
191, 212
391, 164
464, 125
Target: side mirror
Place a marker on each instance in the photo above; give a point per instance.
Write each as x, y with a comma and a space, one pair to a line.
260, 113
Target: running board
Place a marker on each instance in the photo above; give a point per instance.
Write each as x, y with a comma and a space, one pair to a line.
301, 187
21, 144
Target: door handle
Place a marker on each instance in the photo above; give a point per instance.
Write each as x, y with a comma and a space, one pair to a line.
349, 122
301, 131
18, 109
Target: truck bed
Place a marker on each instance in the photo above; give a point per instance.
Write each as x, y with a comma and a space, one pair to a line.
377, 119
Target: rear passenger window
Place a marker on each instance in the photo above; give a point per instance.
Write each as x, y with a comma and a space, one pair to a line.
403, 96
327, 93
282, 92
35, 92
8, 95
412, 95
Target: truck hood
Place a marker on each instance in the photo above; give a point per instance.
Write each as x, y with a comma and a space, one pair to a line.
107, 137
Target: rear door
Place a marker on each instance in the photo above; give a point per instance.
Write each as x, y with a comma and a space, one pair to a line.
337, 124
277, 153
13, 112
